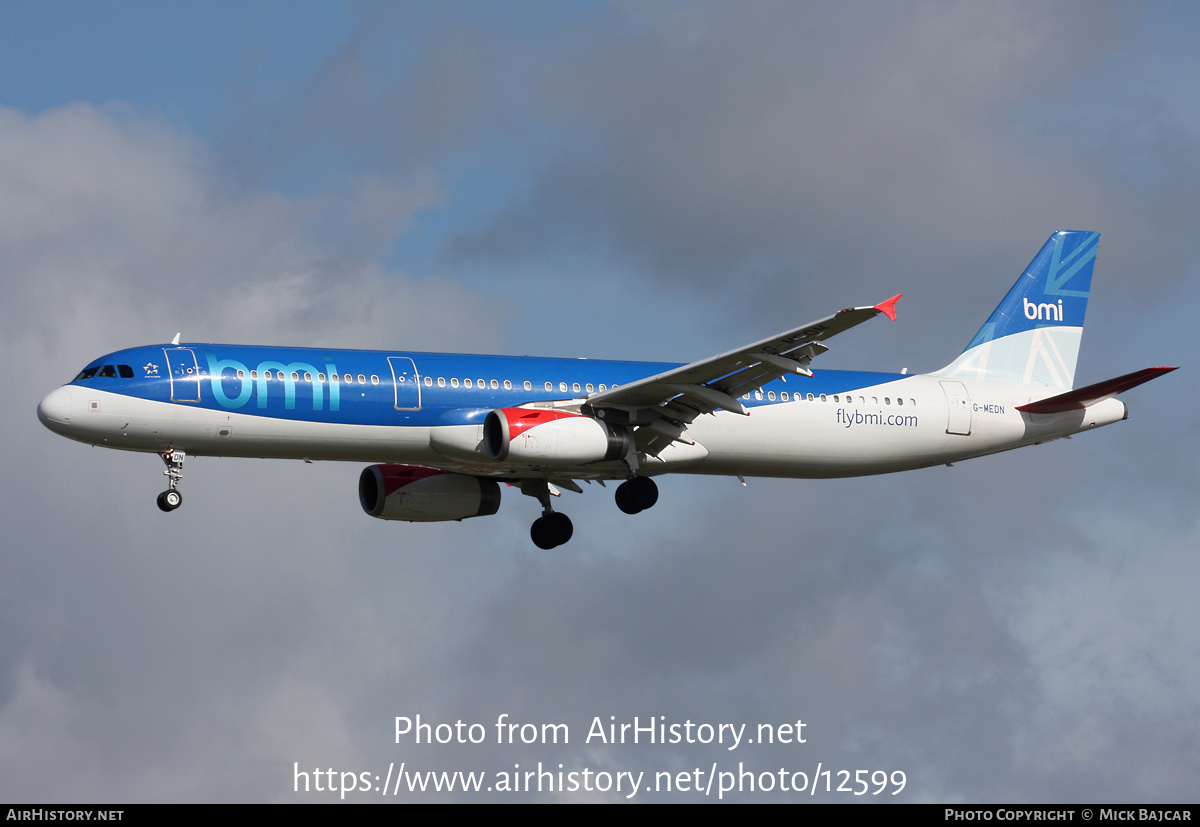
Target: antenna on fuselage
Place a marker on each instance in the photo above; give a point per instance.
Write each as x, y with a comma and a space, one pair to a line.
175, 341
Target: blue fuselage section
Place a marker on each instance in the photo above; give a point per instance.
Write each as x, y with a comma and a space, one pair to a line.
386, 388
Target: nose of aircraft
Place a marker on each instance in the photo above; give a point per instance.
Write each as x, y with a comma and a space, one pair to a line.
56, 410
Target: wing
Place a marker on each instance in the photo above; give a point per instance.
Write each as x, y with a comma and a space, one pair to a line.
662, 406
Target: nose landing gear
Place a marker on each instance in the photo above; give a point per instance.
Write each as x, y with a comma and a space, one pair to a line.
171, 499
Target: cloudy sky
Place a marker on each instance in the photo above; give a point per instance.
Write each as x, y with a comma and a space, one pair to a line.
658, 181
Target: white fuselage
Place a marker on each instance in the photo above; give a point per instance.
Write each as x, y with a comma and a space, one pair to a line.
912, 422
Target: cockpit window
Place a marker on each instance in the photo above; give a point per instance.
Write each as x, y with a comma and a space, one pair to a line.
105, 372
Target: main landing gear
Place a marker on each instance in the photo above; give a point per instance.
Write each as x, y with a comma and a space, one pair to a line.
171, 499
637, 494
553, 528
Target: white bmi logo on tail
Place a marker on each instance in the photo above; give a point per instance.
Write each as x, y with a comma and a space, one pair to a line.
1033, 335
1043, 312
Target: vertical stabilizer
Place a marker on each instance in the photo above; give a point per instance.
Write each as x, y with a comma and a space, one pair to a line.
1033, 336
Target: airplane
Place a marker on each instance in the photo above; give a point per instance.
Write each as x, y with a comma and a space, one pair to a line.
445, 430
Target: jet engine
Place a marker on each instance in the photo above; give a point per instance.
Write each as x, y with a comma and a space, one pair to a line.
425, 495
537, 436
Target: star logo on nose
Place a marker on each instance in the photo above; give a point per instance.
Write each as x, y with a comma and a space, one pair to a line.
151, 369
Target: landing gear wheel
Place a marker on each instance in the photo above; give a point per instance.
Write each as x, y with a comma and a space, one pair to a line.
637, 494
541, 534
551, 530
562, 527
170, 500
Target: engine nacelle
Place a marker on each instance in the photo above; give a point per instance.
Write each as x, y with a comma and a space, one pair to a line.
538, 436
425, 495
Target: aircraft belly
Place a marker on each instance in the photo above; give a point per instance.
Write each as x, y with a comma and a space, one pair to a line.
135, 424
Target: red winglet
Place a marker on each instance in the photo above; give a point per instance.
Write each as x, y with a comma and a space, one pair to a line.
888, 308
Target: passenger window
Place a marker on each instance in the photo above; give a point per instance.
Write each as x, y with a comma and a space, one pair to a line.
254, 374
771, 395
824, 398
887, 400
507, 385
454, 381
562, 387
589, 387
362, 380
575, 387
428, 381
348, 379
333, 377
441, 382
783, 395
549, 387
899, 400
374, 379
495, 384
295, 376
758, 394
601, 386
835, 398
127, 372
307, 376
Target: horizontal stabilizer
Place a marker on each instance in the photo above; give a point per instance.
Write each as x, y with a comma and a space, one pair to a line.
1081, 398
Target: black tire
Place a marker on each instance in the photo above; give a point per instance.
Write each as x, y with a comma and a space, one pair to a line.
637, 494
626, 500
647, 492
170, 500
561, 527
542, 534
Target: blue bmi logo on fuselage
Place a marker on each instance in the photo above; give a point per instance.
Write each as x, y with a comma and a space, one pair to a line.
388, 388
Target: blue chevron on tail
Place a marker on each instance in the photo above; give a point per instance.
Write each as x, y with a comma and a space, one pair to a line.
1033, 335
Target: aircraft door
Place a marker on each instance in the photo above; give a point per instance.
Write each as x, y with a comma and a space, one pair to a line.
958, 403
185, 375
407, 383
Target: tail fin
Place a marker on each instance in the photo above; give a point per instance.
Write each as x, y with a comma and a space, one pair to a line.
1032, 337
